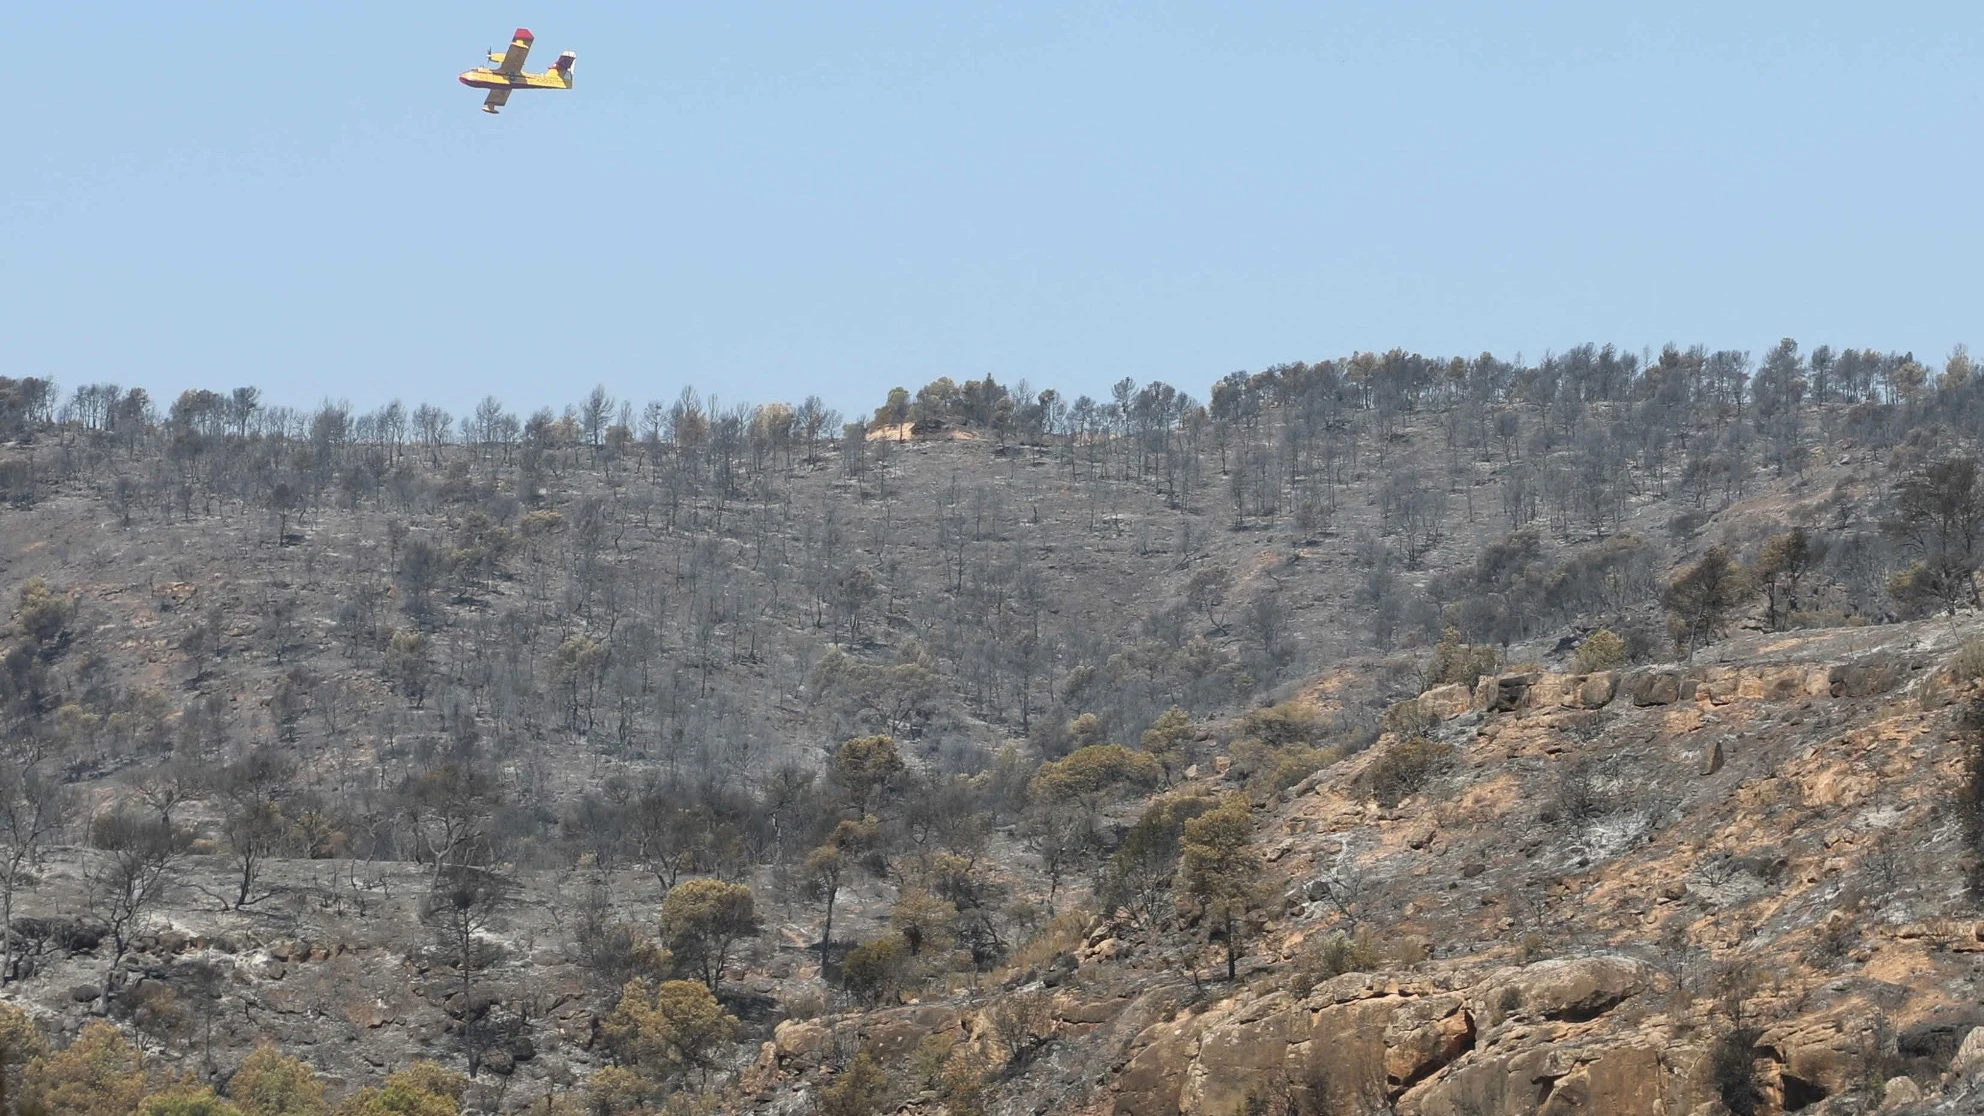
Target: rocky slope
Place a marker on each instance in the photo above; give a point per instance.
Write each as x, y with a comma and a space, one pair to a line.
1624, 892
1618, 880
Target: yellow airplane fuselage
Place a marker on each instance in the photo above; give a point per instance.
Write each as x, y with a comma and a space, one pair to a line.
508, 73
482, 77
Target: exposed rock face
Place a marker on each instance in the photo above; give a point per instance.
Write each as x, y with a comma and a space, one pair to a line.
893, 1034
1597, 690
1240, 1052
886, 1035
1360, 1043
1353, 1042
1864, 678
1819, 1058
1969, 1060
1525, 690
798, 1043
1443, 703
1549, 1079
1571, 990
1424, 1034
1655, 687
1767, 682
1150, 1083
1606, 1032
1506, 693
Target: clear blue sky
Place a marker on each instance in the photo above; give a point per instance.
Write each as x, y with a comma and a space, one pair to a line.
767, 200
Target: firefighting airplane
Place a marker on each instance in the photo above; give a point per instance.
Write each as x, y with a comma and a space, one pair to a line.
508, 73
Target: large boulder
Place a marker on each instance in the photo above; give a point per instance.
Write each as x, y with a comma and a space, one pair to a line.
1899, 1093
1595, 691
1782, 683
1443, 703
1506, 693
1566, 989
1720, 684
798, 1042
1969, 1060
892, 1035
1654, 687
1865, 677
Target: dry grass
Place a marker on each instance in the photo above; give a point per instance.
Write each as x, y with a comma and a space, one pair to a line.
1333, 955
1967, 664
1063, 934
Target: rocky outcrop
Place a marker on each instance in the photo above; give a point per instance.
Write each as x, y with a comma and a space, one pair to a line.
1358, 1042
1570, 990
1150, 1082
1969, 1060
1238, 1053
1553, 1079
1655, 687
1723, 684
1443, 703
1662, 854
1527, 690
1864, 678
1353, 1042
1899, 1093
1718, 684
887, 1036
1504, 693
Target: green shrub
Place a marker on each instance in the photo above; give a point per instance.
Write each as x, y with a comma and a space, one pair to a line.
1454, 661
1407, 718
1601, 650
1296, 763
1093, 775
874, 972
1405, 767
862, 1089
1291, 722
1334, 955
1268, 768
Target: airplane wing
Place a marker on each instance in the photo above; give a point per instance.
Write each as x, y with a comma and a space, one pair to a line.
513, 59
497, 98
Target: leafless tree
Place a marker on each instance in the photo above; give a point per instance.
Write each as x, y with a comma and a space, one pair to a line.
33, 806
128, 874
465, 902
253, 790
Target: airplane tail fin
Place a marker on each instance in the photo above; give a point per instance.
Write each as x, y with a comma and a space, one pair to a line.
563, 67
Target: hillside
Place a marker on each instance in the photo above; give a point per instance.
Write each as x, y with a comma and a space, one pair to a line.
1588, 736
